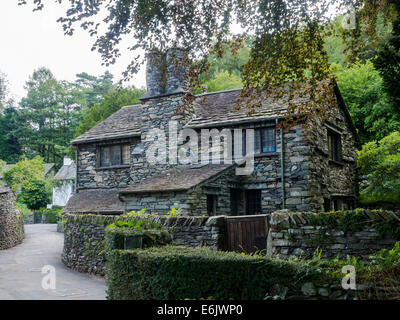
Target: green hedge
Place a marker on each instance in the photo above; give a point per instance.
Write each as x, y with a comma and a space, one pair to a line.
199, 273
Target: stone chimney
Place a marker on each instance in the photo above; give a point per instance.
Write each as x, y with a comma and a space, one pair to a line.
165, 73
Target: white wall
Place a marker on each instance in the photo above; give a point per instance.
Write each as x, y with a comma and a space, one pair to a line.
62, 193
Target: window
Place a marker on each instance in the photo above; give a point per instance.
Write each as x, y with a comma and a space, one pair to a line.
114, 155
211, 205
335, 146
264, 140
253, 202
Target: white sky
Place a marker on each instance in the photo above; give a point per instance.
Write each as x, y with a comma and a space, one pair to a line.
30, 40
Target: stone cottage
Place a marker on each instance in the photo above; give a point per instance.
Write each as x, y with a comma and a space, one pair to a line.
116, 171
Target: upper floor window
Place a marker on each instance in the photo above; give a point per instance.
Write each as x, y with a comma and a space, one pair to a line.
334, 145
264, 140
114, 155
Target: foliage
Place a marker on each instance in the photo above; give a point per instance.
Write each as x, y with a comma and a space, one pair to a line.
34, 193
387, 61
94, 88
198, 273
223, 81
53, 215
10, 126
173, 212
371, 110
288, 37
111, 103
379, 163
355, 220
24, 210
138, 221
23, 171
48, 115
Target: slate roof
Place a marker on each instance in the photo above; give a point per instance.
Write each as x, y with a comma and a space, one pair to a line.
66, 172
178, 179
211, 110
121, 124
95, 201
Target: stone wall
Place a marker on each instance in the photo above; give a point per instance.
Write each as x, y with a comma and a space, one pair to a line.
84, 237
11, 220
332, 179
299, 234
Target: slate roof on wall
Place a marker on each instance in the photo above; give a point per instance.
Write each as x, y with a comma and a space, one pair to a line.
66, 172
95, 201
178, 179
121, 124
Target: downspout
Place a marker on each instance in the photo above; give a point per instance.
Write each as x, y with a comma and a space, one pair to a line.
76, 170
282, 167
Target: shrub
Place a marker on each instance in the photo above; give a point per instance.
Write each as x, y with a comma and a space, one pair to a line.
34, 194
52, 215
24, 210
379, 162
199, 273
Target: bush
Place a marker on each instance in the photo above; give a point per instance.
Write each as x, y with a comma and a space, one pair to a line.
52, 215
379, 163
199, 273
34, 194
24, 210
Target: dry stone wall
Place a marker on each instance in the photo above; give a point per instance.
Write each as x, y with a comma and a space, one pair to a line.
11, 220
84, 237
299, 234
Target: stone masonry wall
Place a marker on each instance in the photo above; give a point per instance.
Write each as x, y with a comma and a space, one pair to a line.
11, 221
84, 237
330, 178
297, 234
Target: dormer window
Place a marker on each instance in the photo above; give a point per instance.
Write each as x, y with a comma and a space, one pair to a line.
114, 155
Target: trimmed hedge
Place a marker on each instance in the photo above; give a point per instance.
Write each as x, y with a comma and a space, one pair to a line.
172, 273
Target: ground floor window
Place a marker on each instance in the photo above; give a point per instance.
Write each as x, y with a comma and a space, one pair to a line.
253, 202
211, 205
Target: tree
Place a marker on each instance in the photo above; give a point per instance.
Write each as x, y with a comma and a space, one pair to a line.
94, 88
34, 193
10, 133
49, 115
23, 171
223, 81
288, 47
371, 110
388, 63
111, 103
4, 101
379, 162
